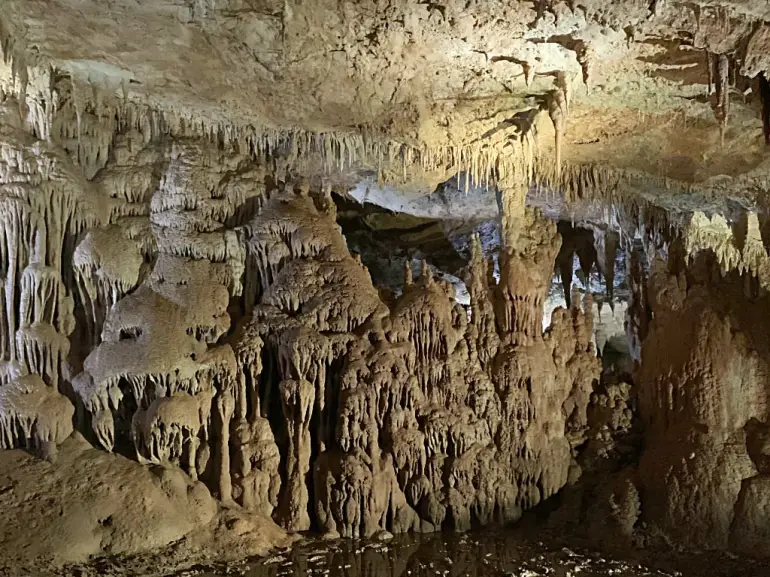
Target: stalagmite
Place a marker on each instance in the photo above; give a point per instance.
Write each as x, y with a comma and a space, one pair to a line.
256, 478
748, 533
225, 408
297, 398
407, 371
530, 245
482, 333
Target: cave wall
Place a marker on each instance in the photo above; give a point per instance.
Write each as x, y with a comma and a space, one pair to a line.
703, 397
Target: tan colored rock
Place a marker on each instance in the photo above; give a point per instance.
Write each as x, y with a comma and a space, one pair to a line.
696, 398
749, 529
256, 478
297, 398
34, 416
91, 509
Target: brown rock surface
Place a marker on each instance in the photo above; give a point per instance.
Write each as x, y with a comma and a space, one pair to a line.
91, 503
696, 401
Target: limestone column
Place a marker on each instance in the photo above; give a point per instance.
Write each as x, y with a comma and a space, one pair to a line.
528, 252
226, 408
298, 398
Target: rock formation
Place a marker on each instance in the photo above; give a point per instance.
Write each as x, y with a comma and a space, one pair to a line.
408, 413
700, 400
179, 305
409, 417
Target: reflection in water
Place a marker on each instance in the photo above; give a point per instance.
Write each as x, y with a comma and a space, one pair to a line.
486, 553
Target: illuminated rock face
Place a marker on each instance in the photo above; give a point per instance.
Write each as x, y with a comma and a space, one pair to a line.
115, 294
322, 406
703, 401
414, 417
175, 288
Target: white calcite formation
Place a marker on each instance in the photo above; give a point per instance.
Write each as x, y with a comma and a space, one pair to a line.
44, 203
159, 354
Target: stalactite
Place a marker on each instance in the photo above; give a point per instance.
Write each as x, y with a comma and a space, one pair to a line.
34, 415
558, 110
172, 429
44, 200
161, 339
408, 280
764, 94
607, 244
566, 266
413, 415
107, 266
585, 58
722, 104
87, 122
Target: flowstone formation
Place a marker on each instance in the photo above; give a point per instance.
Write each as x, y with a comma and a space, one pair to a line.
186, 305
158, 381
117, 267
412, 417
45, 203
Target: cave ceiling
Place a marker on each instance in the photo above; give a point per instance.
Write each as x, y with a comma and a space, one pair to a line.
413, 93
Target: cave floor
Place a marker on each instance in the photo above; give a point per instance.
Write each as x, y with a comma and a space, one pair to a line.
487, 552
